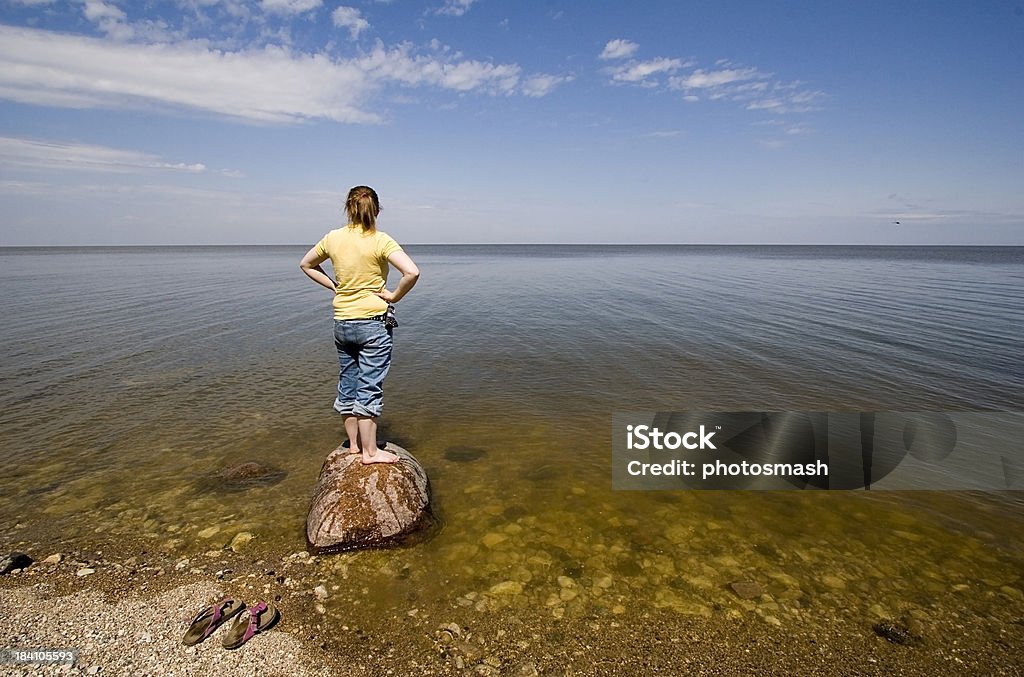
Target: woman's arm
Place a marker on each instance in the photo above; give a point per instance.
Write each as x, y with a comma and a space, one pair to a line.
310, 265
410, 273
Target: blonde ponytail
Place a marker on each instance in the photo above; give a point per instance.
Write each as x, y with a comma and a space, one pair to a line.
362, 207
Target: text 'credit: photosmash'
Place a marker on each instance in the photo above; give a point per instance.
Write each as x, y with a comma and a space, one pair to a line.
818, 450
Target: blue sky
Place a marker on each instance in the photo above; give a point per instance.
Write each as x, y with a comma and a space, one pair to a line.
222, 121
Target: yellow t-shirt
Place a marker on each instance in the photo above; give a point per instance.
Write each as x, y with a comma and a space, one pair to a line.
360, 262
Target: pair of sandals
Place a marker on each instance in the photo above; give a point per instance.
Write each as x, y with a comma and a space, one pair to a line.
259, 619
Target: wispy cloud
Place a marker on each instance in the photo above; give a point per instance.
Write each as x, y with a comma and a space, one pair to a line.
290, 6
541, 85
641, 71
915, 214
701, 79
17, 153
350, 18
746, 85
270, 84
455, 7
25, 187
618, 49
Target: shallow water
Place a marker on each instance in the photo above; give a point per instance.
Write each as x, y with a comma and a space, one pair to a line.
130, 375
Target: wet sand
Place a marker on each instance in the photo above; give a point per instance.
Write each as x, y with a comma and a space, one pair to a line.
128, 617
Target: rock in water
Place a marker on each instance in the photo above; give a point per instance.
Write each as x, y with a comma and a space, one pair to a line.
894, 632
250, 474
360, 506
463, 454
746, 589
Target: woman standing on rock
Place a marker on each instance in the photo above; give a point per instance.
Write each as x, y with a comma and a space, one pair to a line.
360, 254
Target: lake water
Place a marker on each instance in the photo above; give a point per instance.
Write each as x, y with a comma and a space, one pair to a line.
129, 375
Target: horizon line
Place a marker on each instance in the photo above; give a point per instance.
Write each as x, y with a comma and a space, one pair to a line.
527, 244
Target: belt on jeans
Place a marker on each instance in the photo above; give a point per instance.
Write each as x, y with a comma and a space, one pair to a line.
361, 319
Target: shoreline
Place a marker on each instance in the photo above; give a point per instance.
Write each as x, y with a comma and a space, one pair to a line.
129, 616
123, 611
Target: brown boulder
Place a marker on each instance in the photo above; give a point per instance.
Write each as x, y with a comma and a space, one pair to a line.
360, 506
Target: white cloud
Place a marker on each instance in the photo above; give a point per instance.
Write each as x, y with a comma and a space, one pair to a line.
272, 84
350, 18
640, 71
455, 7
98, 11
540, 85
787, 99
113, 21
752, 88
108, 18
289, 6
745, 85
786, 127
700, 79
32, 154
618, 49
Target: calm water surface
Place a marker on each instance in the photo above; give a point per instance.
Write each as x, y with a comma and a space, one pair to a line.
129, 375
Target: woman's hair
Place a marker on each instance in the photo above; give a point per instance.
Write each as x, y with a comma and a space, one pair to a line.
362, 207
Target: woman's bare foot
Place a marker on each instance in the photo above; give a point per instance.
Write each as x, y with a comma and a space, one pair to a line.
378, 456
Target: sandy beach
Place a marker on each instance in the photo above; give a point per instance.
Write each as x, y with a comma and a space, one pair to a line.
128, 616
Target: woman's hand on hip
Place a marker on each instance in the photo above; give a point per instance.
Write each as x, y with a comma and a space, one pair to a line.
388, 296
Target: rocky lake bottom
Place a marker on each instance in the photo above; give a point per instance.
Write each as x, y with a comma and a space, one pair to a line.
685, 581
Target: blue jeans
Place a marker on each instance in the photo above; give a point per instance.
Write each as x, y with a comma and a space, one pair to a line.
364, 357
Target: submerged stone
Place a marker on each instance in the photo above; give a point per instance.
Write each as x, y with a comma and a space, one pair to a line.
514, 512
250, 474
746, 589
893, 632
361, 506
541, 473
240, 540
507, 588
463, 454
